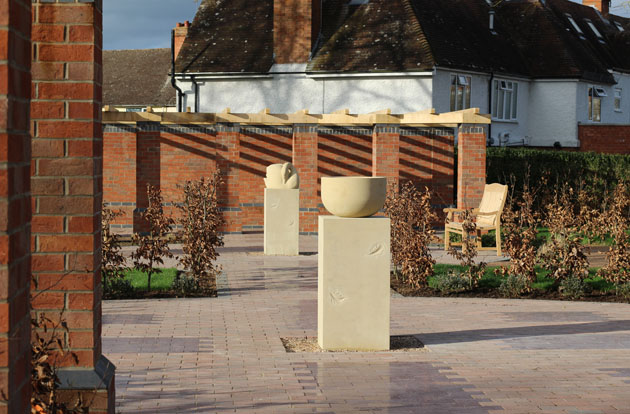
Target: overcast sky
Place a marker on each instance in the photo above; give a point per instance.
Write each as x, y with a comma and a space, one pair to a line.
146, 24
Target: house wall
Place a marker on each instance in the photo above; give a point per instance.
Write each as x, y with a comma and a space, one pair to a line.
167, 156
609, 115
288, 93
517, 130
553, 113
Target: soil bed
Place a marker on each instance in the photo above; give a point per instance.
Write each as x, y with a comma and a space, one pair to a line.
397, 343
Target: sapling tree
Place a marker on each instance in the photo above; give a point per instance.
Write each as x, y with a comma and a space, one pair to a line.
474, 271
112, 262
201, 220
153, 245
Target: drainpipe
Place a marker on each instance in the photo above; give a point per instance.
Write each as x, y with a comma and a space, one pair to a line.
196, 91
490, 104
173, 82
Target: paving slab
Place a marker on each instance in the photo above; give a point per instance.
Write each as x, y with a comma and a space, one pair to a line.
224, 354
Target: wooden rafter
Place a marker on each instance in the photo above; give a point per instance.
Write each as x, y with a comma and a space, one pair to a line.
341, 117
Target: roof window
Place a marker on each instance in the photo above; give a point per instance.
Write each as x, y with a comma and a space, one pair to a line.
575, 26
595, 31
358, 2
598, 92
619, 26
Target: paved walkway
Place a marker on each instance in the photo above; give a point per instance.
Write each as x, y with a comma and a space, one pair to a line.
482, 356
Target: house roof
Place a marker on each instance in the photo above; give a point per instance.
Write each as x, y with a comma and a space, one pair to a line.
229, 36
137, 77
532, 38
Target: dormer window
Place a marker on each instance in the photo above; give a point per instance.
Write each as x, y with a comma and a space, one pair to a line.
595, 103
575, 26
460, 92
595, 31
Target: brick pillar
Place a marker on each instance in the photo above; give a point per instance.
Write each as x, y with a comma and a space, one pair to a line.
385, 154
15, 154
148, 166
471, 165
67, 186
305, 160
228, 152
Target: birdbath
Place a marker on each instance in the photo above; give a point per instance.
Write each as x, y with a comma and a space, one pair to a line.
353, 265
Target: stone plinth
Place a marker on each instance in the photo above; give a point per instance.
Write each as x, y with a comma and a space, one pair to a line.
282, 222
353, 283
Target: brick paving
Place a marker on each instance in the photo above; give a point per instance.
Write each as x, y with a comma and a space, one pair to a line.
222, 355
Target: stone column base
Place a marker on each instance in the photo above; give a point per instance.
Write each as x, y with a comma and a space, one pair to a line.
282, 222
93, 387
353, 283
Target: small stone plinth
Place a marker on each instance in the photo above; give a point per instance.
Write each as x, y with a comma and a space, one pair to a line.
282, 222
353, 283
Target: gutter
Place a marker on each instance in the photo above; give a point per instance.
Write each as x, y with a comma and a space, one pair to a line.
180, 93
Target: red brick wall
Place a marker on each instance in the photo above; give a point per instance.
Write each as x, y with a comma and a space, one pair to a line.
15, 153
612, 139
292, 20
66, 177
170, 155
471, 166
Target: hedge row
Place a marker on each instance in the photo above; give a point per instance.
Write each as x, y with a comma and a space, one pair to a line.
597, 171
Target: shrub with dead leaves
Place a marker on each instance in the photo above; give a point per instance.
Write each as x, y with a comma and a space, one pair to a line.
474, 271
411, 232
616, 222
563, 254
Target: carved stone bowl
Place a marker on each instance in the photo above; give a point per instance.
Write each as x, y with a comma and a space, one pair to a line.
353, 196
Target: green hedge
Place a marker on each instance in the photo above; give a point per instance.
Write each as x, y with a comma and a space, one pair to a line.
597, 171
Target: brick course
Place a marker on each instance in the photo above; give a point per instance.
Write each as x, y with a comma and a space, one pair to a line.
471, 166
15, 153
169, 155
611, 139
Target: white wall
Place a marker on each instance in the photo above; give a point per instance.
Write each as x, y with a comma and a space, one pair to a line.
609, 115
553, 113
517, 129
287, 93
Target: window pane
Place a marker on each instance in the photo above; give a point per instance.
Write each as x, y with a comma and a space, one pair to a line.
452, 97
501, 98
597, 109
590, 106
453, 80
508, 104
514, 100
460, 98
495, 98
467, 97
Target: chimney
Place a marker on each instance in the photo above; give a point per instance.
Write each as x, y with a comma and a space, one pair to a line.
181, 30
296, 26
601, 5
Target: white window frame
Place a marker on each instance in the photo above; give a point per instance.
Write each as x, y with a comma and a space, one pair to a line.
617, 102
619, 26
575, 26
504, 100
460, 91
594, 103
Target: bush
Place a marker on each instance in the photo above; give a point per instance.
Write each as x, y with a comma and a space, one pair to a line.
118, 288
411, 232
624, 291
112, 262
451, 282
572, 287
513, 286
615, 220
201, 219
185, 285
598, 172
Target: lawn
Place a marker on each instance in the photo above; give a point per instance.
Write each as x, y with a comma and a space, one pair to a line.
159, 281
